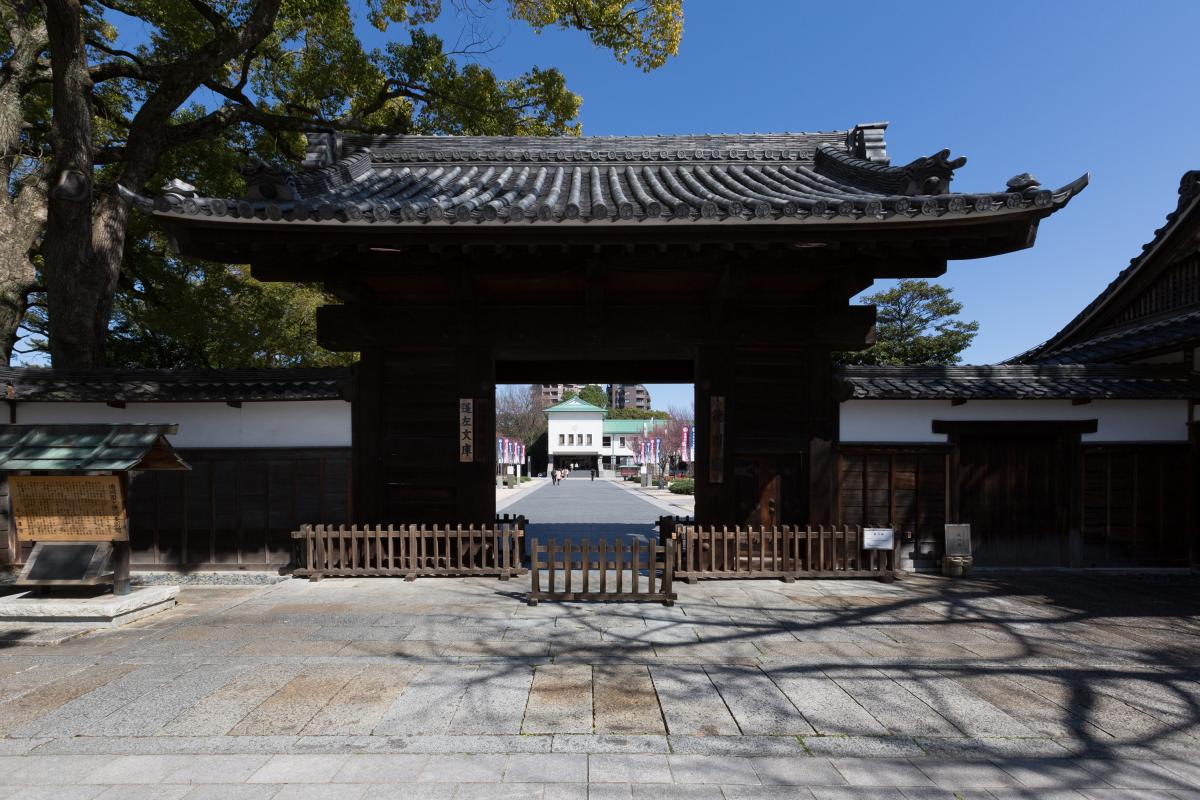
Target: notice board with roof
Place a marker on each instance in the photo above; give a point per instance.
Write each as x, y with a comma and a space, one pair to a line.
68, 485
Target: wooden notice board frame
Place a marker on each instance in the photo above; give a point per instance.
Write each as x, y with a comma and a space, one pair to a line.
69, 508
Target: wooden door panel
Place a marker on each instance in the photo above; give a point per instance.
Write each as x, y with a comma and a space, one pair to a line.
1014, 494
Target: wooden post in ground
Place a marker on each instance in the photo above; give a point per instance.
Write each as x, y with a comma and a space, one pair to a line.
120, 554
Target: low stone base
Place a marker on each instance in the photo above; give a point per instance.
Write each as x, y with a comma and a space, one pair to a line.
99, 611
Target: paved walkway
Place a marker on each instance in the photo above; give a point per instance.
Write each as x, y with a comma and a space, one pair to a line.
580, 508
1049, 687
674, 504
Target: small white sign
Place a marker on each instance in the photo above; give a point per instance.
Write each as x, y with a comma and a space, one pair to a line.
878, 538
508, 470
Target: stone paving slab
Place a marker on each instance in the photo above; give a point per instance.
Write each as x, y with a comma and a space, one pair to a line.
455, 688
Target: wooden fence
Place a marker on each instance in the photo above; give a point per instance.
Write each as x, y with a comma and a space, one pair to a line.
408, 551
667, 525
786, 552
602, 571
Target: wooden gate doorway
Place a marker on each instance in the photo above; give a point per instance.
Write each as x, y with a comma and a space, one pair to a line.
1018, 485
735, 256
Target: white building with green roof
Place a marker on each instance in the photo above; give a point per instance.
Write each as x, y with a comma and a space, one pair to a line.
581, 437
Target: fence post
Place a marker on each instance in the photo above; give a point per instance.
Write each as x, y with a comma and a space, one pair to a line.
535, 577
665, 585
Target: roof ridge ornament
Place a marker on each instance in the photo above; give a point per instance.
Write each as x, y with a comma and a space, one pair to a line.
1019, 183
932, 174
267, 181
1189, 187
866, 141
928, 175
179, 188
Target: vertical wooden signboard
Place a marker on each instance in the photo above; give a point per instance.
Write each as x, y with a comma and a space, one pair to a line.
716, 439
466, 430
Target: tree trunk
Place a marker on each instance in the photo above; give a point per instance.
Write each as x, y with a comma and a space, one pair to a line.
21, 221
23, 204
76, 293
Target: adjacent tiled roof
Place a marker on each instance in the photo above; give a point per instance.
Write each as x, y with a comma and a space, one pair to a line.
87, 447
1174, 332
575, 405
1050, 350
840, 176
151, 385
631, 426
1009, 382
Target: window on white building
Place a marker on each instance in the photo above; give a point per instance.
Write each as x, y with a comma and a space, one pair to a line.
570, 438
607, 441
560, 439
589, 439
622, 441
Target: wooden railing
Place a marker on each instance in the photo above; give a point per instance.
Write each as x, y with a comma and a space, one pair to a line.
786, 552
516, 523
602, 571
408, 551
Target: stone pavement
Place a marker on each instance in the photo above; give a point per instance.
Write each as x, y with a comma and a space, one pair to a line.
507, 496
571, 510
676, 504
1033, 686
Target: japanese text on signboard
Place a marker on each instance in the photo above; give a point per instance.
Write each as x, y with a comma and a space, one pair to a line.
68, 508
466, 429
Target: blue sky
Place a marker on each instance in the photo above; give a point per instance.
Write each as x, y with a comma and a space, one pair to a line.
1053, 88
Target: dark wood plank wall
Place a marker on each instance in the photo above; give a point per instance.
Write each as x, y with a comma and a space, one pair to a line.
901, 487
406, 437
236, 508
1014, 491
770, 419
1135, 505
1134, 499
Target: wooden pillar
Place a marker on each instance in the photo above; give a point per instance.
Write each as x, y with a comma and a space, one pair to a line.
1073, 456
366, 429
405, 426
475, 489
714, 377
823, 434
769, 394
120, 551
1192, 513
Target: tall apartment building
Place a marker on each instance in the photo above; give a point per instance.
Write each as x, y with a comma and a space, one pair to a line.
552, 393
628, 395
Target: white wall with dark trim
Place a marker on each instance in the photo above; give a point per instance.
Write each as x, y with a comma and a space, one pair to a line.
296, 423
911, 421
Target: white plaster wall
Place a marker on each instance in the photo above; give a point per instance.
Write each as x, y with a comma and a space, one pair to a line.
911, 420
308, 423
578, 423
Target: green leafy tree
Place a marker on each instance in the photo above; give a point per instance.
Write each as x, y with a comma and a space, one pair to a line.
595, 395
916, 325
275, 69
637, 413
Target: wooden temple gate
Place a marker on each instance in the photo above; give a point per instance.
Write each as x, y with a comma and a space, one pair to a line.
723, 261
